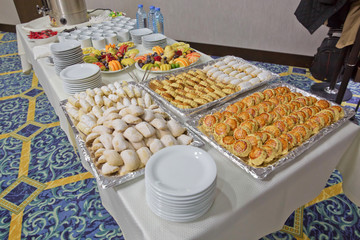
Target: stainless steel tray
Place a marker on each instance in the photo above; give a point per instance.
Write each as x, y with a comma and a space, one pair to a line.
262, 172
184, 113
111, 181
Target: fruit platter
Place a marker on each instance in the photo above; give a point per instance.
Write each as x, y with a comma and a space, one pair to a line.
113, 59
42, 37
170, 58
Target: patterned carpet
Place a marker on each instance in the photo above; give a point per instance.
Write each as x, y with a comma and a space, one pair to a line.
45, 193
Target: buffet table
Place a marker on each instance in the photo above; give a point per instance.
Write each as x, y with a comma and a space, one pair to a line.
244, 208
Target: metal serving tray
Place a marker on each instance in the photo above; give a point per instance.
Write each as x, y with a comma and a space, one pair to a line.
262, 172
185, 113
111, 181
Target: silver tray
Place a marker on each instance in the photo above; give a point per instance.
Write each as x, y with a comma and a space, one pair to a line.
111, 181
184, 113
262, 172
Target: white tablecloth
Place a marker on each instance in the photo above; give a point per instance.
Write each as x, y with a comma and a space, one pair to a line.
244, 208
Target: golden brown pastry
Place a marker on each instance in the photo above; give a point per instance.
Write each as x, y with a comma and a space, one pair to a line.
257, 156
241, 148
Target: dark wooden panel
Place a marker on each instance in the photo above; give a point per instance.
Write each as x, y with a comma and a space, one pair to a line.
26, 9
7, 28
254, 55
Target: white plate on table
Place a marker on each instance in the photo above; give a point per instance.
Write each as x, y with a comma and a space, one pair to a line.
181, 171
66, 46
79, 71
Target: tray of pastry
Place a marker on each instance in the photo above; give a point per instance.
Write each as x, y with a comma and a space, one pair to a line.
186, 92
118, 127
268, 127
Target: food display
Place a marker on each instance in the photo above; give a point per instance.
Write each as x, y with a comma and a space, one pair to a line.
42, 34
237, 71
122, 127
190, 90
264, 126
177, 55
268, 127
113, 59
129, 44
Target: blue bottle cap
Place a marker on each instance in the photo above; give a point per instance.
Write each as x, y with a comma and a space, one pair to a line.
157, 9
140, 5
152, 7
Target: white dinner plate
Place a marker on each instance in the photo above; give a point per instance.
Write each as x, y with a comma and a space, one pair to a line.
141, 32
155, 37
181, 170
79, 71
65, 46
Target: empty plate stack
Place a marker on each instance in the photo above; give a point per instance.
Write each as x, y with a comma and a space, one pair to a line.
137, 34
65, 54
79, 77
180, 183
152, 40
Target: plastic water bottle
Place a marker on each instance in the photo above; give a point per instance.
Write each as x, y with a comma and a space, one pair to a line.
141, 17
158, 21
151, 18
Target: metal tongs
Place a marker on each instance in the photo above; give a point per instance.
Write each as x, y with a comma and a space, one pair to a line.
136, 79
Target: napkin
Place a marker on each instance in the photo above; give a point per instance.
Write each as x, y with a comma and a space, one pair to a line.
42, 51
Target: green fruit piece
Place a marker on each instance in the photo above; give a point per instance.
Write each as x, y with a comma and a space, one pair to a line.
173, 66
147, 66
177, 65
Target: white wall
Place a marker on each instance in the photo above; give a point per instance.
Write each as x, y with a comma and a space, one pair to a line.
254, 24
268, 25
8, 13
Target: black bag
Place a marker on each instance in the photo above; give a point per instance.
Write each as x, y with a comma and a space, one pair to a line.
326, 59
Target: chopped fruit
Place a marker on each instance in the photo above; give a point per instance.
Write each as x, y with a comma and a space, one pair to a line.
167, 59
101, 65
42, 34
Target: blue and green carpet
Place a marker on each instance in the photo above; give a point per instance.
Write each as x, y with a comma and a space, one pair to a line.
45, 193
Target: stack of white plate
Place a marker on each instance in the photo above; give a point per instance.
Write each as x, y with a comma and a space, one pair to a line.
79, 77
152, 40
65, 54
180, 183
137, 34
